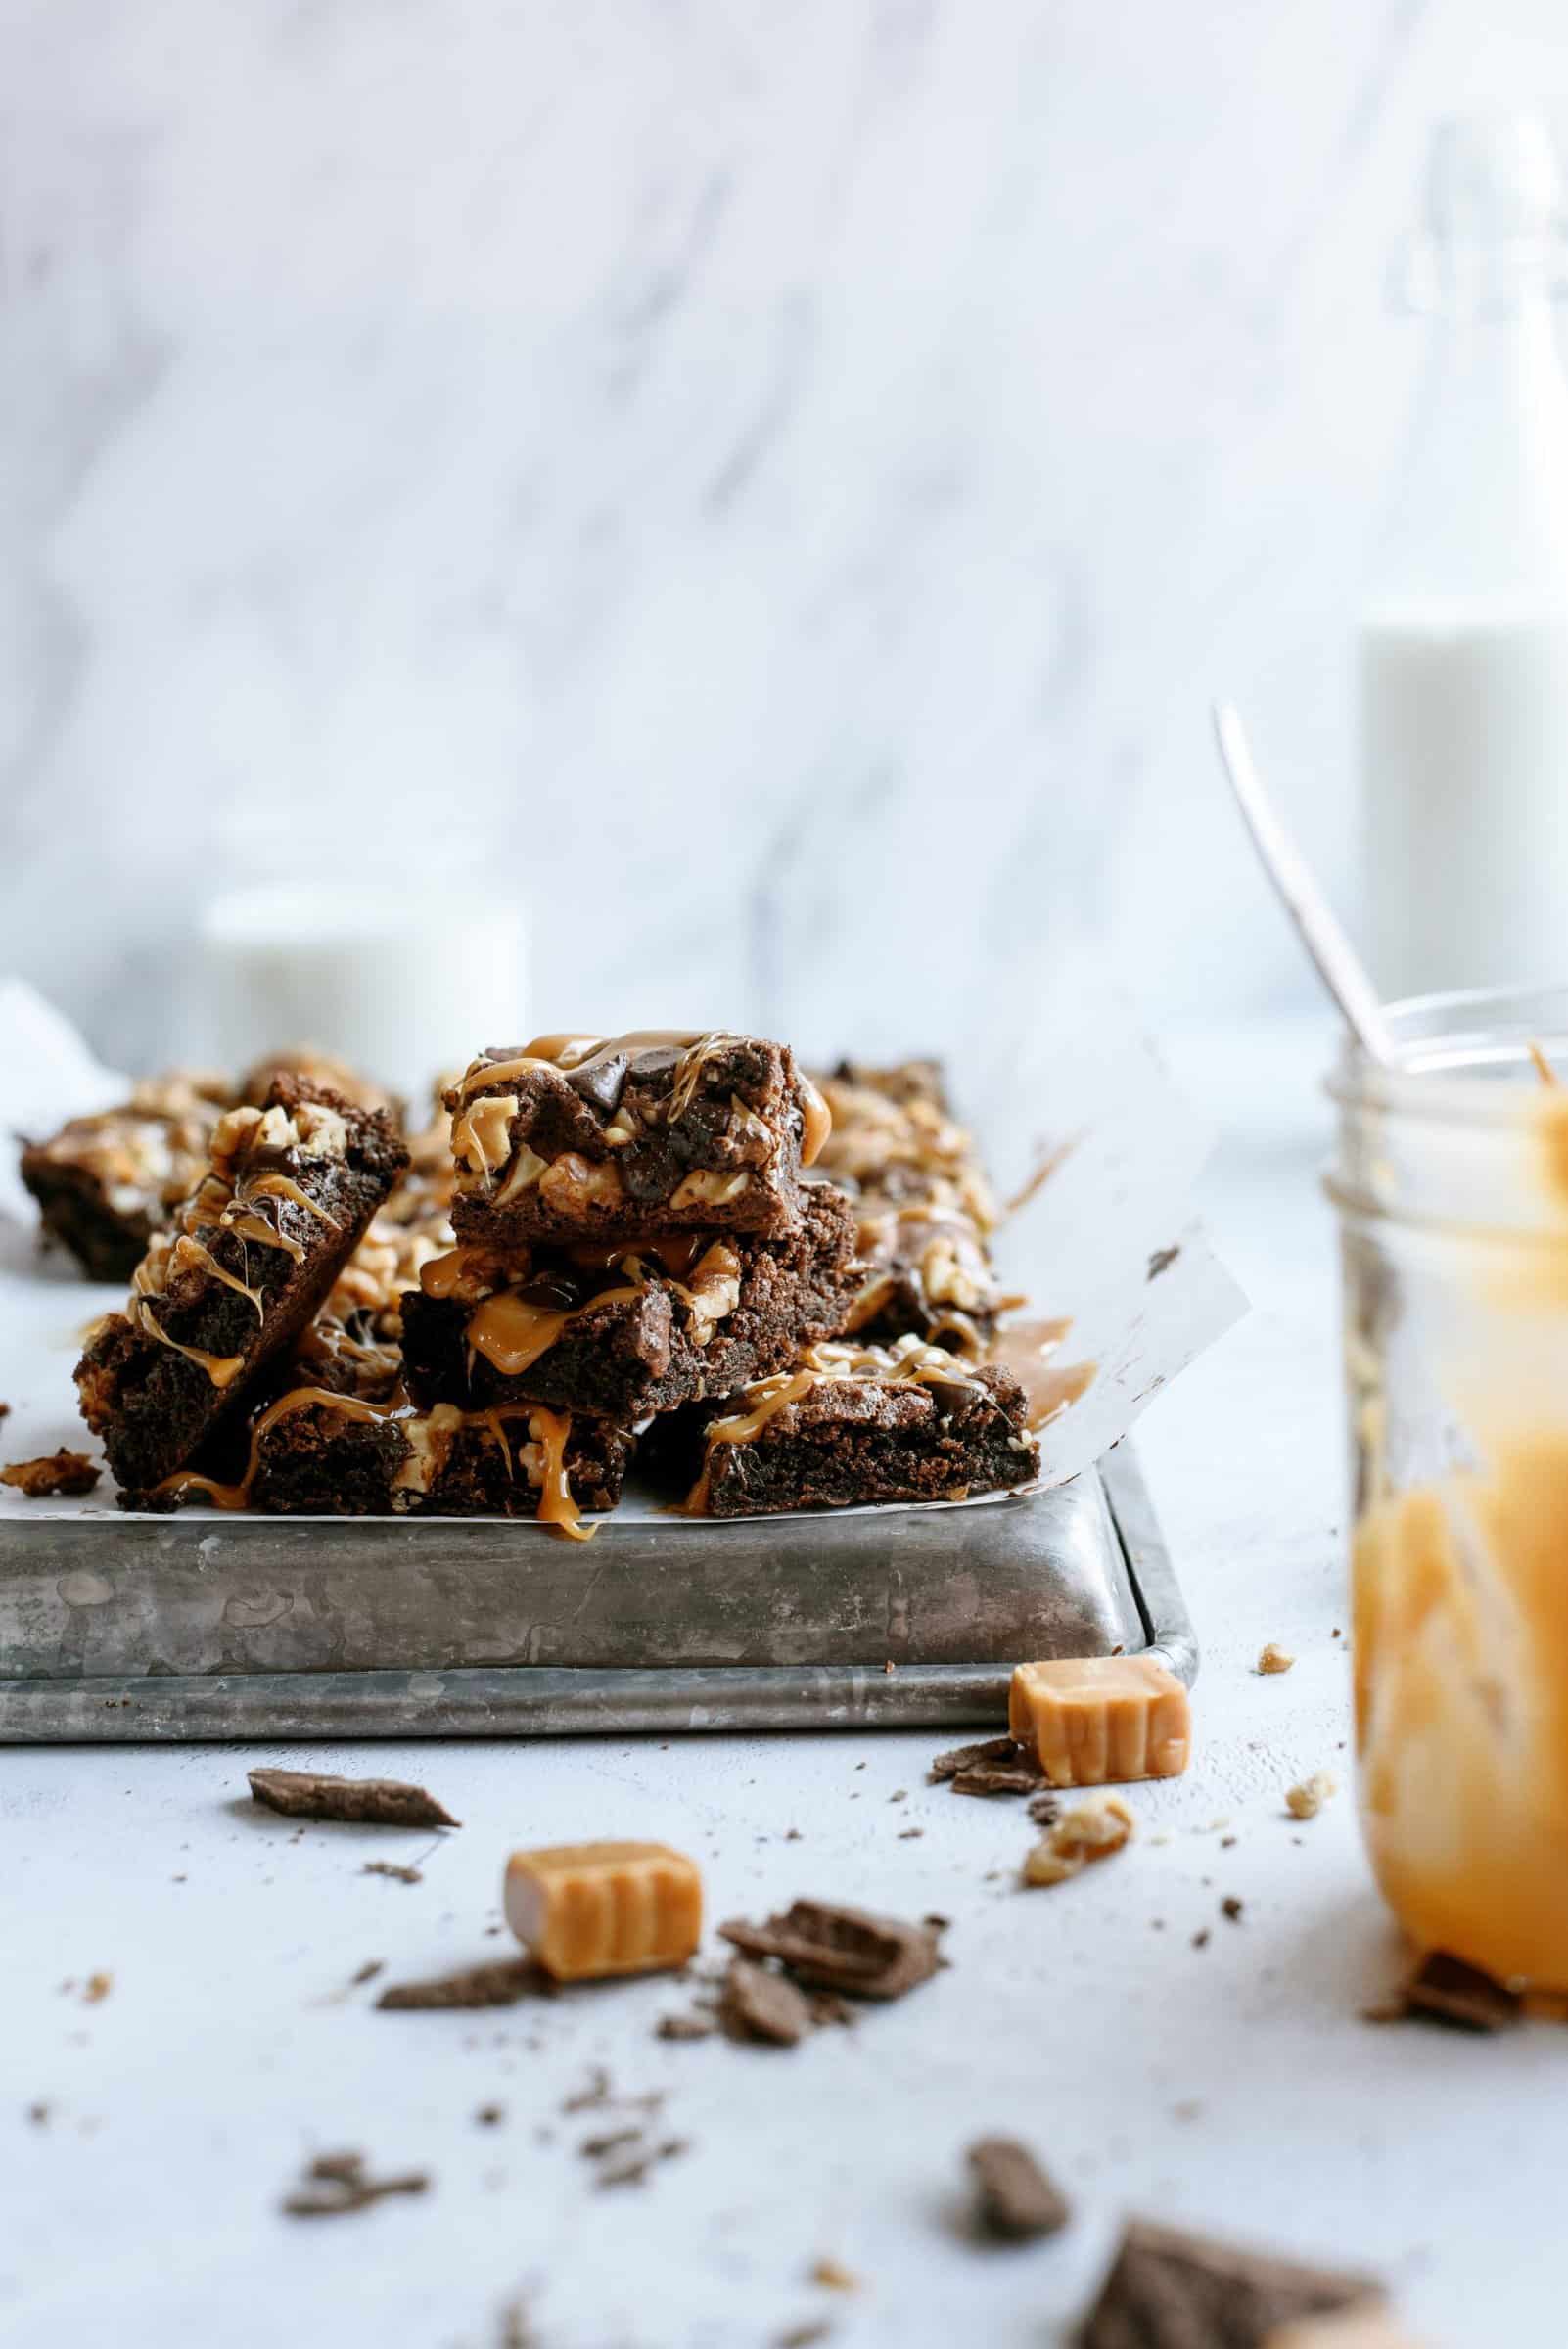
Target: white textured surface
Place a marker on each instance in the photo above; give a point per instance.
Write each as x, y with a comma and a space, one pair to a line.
792, 480
1231, 2085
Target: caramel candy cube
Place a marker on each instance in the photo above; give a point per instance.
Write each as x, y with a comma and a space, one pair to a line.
1099, 1720
586, 1910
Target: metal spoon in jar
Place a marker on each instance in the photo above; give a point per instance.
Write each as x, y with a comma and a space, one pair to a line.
1338, 964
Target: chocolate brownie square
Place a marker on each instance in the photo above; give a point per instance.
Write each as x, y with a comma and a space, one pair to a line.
851, 1425
629, 1331
289, 1192
611, 1137
316, 1454
105, 1184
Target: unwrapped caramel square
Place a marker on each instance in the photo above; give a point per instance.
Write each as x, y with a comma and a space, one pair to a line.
585, 1910
1099, 1720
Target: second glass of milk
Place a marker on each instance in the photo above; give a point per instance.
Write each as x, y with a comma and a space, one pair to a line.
1463, 652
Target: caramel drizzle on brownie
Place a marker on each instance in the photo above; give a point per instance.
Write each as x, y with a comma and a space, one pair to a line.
549, 1431
513, 1329
910, 1362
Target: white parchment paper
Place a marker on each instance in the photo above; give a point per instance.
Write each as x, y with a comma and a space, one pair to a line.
1109, 1242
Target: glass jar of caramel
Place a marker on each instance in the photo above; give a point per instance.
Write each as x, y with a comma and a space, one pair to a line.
1452, 1186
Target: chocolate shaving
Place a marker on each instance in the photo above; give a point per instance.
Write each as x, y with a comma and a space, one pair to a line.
390, 1867
832, 1948
635, 2171
338, 2184
1016, 2200
1045, 1810
1446, 1989
970, 1757
61, 1472
360, 1802
683, 2026
1168, 2289
759, 2004
480, 1986
998, 1777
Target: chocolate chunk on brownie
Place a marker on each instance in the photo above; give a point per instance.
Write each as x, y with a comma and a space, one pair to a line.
105, 1184
629, 1331
851, 1425
316, 1454
610, 1137
289, 1191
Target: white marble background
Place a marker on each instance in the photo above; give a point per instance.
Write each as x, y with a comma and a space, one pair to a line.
784, 481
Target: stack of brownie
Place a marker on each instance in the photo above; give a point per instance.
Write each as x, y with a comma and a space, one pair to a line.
636, 1257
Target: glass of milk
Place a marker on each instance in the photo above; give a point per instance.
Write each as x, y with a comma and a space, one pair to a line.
1463, 648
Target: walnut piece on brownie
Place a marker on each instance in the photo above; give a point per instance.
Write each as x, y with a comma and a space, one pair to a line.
852, 1424
104, 1184
289, 1191
610, 1137
629, 1330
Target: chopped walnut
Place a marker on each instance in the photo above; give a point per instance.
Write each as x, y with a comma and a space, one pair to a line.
62, 1472
572, 1180
1088, 1833
1308, 1798
1275, 1659
705, 1187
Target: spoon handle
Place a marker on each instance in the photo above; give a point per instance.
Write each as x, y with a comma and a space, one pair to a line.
1339, 966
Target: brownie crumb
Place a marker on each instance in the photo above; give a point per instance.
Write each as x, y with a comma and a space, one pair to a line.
1200, 1939
991, 1752
1045, 1809
683, 2026
762, 2005
358, 1802
337, 2183
38, 2115
491, 2116
1161, 1262
367, 1972
1016, 2200
478, 1985
60, 1473
805, 2336
634, 2171
390, 1867
1232, 1908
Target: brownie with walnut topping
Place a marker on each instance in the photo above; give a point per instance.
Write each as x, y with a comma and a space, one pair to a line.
105, 1184
851, 1425
628, 1330
289, 1191
612, 1138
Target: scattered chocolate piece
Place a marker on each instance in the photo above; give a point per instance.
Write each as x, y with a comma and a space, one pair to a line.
1016, 2200
38, 2114
635, 2171
5, 1410
910, 1834
594, 2149
1308, 1798
805, 2336
1232, 1908
491, 2116
338, 2183
390, 1867
1168, 2289
1449, 1991
759, 2004
360, 1802
1200, 1939
828, 2008
832, 1948
991, 1752
1275, 1658
683, 2026
1161, 1262
835, 2276
1021, 1775
499, 1985
62, 1472
589, 2099
367, 1972
1045, 1809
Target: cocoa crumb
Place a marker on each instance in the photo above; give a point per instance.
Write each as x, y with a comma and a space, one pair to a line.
491, 2116
1200, 1939
589, 2099
683, 2026
63, 1472
1232, 1908
337, 2183
367, 1972
908, 1834
37, 2114
390, 1867
805, 2336
1161, 1262
635, 2171
1016, 2200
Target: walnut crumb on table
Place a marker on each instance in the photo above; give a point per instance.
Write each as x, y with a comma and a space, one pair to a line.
1088, 1833
1275, 1658
60, 1472
1308, 1798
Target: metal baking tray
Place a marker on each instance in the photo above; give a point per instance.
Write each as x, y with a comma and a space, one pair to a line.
184, 1627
